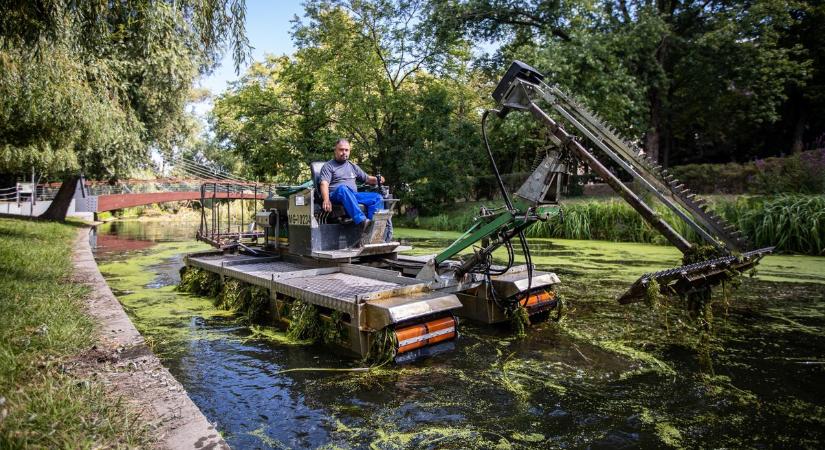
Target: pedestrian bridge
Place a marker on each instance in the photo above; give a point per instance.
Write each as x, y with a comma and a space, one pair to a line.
104, 197
197, 183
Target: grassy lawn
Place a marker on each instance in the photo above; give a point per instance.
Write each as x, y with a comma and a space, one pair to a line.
42, 328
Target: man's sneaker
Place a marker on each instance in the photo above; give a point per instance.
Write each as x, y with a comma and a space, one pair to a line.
366, 232
365, 226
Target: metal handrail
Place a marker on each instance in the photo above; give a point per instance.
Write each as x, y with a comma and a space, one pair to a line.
199, 173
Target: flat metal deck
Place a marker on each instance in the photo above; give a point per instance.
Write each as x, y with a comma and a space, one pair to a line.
373, 297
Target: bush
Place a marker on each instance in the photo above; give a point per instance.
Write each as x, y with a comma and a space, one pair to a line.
802, 173
731, 178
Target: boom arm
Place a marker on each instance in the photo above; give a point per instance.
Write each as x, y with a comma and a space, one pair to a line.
520, 89
523, 86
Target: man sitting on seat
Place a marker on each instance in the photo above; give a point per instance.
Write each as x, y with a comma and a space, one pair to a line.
337, 185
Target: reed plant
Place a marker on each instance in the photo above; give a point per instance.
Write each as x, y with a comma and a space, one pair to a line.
791, 223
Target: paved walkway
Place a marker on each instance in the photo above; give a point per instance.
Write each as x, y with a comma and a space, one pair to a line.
137, 374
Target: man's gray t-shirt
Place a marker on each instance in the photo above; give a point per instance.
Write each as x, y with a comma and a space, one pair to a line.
342, 174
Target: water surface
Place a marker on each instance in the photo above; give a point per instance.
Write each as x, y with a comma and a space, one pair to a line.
608, 376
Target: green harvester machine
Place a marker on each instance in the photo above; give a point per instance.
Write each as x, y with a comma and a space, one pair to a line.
373, 292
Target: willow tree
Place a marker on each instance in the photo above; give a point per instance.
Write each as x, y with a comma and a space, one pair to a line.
90, 87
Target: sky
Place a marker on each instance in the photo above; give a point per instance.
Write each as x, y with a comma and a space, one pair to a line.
268, 29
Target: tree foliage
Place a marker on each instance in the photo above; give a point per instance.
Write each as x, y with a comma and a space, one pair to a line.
692, 80
367, 71
91, 86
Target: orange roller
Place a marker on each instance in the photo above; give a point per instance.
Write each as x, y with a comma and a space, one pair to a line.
427, 333
540, 298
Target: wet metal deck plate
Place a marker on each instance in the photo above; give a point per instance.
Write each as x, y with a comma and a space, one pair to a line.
387, 296
340, 285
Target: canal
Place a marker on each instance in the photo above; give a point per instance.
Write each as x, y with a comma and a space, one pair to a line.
606, 376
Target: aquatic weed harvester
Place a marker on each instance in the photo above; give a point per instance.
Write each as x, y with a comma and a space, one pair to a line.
328, 281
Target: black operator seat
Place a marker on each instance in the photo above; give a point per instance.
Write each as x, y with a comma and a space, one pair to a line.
338, 211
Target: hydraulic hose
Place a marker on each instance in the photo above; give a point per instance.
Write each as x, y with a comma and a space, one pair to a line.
504, 194
524, 247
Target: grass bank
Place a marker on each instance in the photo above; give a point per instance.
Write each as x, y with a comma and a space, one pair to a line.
792, 223
43, 327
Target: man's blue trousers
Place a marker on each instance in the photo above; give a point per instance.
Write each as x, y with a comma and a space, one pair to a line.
350, 199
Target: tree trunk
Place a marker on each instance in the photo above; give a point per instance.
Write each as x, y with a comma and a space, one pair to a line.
653, 136
652, 139
60, 205
799, 132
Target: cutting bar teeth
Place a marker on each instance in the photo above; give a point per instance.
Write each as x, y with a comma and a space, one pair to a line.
692, 277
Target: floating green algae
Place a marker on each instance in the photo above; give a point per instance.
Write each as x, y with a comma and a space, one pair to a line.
668, 434
275, 335
620, 260
162, 314
577, 385
269, 442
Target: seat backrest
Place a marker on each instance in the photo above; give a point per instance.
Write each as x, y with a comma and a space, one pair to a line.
315, 168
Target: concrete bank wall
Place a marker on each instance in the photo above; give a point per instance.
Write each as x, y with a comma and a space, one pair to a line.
142, 380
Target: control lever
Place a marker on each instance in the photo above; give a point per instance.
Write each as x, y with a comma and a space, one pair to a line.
384, 190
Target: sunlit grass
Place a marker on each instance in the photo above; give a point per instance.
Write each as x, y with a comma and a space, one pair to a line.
42, 325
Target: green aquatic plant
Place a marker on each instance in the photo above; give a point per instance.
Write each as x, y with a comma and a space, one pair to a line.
699, 253
560, 309
334, 330
383, 347
252, 302
653, 296
199, 281
304, 322
700, 307
257, 304
189, 277
520, 320
231, 296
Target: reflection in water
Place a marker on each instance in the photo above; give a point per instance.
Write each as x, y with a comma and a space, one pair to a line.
606, 377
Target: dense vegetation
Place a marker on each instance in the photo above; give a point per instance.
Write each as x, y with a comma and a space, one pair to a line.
91, 86
792, 223
694, 82
43, 324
